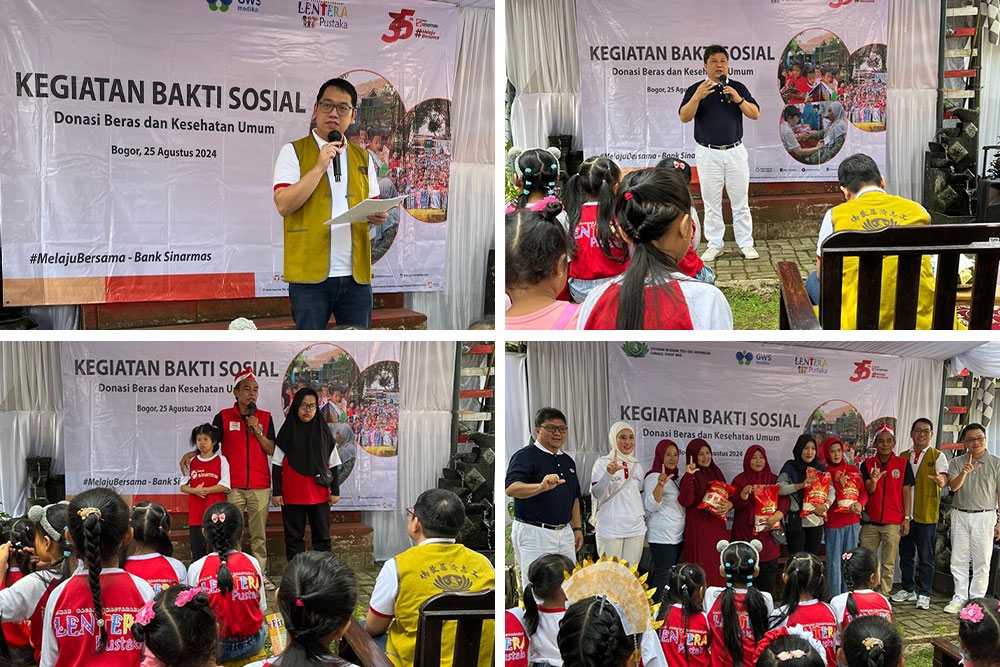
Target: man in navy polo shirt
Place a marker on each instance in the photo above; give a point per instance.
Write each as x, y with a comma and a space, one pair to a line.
546, 491
718, 106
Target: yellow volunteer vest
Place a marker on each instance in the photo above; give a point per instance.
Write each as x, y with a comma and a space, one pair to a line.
872, 211
425, 571
926, 494
307, 239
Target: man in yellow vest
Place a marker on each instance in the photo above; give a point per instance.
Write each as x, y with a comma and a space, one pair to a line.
868, 207
328, 269
930, 473
435, 565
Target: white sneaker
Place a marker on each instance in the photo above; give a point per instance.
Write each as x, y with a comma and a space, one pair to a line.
710, 254
923, 602
954, 606
903, 595
750, 252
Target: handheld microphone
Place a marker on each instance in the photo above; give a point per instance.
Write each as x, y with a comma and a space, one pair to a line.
723, 80
335, 137
252, 408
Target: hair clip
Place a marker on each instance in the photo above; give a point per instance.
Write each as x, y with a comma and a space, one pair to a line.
527, 192
527, 170
100, 621
750, 582
87, 511
972, 613
791, 655
750, 561
67, 554
219, 518
186, 596
299, 602
871, 642
552, 182
846, 556
628, 196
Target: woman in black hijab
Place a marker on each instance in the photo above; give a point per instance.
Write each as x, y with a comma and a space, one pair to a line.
303, 476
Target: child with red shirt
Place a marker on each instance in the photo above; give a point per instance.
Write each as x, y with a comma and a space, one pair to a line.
15, 560
737, 614
88, 616
691, 264
805, 587
685, 634
153, 559
234, 584
861, 575
207, 482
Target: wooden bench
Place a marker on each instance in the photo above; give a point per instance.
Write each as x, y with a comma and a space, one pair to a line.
470, 610
946, 654
948, 242
358, 647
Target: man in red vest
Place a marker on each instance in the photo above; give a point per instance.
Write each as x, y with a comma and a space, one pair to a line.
889, 481
247, 442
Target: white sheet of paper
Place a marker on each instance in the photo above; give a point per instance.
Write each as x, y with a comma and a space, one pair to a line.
361, 212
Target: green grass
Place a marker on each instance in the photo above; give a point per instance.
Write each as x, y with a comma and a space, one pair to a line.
923, 658
755, 309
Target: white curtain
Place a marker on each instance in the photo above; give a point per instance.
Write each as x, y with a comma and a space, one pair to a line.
31, 414
919, 396
983, 360
914, 33
517, 417
471, 210
427, 375
542, 65
573, 377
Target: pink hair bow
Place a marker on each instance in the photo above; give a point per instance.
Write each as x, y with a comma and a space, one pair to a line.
219, 518
146, 614
186, 596
971, 612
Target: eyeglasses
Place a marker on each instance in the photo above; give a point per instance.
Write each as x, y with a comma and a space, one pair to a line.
551, 428
308, 407
921, 431
342, 109
409, 510
972, 441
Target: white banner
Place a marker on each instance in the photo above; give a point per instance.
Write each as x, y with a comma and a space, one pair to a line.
637, 62
737, 394
130, 407
140, 142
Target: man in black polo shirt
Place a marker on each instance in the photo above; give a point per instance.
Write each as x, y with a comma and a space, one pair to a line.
543, 483
718, 106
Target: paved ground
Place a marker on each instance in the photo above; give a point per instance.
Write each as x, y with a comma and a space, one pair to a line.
731, 266
918, 627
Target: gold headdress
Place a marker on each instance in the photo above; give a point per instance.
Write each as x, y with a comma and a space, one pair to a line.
622, 586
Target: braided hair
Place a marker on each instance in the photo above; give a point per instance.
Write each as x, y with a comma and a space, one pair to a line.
740, 565
535, 242
545, 577
151, 527
537, 169
316, 598
790, 651
180, 636
805, 573
223, 526
857, 567
981, 639
596, 181
872, 641
98, 523
650, 202
591, 635
683, 583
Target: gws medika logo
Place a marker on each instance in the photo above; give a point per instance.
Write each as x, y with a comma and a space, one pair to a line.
252, 6
323, 15
219, 5
812, 365
744, 358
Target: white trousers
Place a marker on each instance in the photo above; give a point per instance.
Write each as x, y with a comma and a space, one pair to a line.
729, 168
626, 548
971, 539
531, 543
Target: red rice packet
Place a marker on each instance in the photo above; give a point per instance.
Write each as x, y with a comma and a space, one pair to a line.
765, 505
848, 487
816, 493
716, 497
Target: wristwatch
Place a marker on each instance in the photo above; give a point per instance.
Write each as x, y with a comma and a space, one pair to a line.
576, 528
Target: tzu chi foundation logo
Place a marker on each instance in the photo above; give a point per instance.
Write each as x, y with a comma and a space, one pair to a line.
635, 350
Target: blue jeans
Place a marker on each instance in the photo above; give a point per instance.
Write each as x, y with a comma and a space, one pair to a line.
838, 542
382, 640
665, 556
349, 301
706, 275
242, 647
918, 544
812, 288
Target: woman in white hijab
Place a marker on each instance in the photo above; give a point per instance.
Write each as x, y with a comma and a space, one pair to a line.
835, 132
616, 490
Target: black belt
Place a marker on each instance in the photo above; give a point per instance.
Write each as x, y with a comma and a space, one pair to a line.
972, 511
539, 524
720, 148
